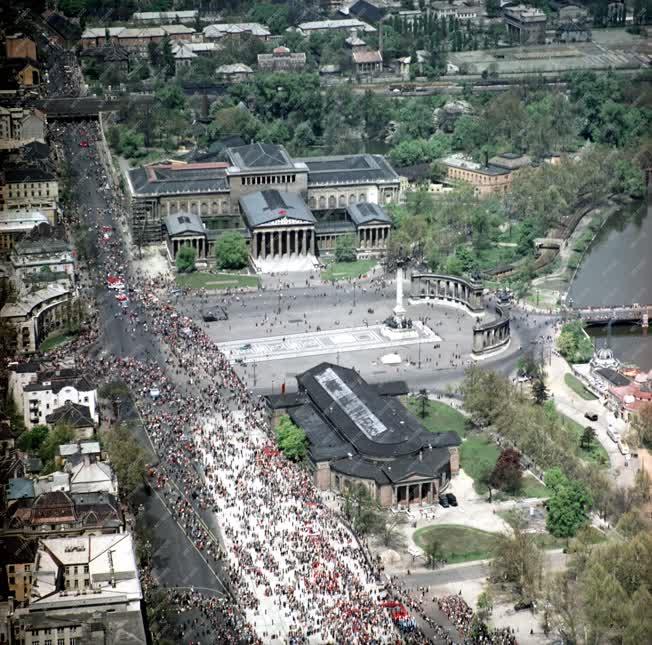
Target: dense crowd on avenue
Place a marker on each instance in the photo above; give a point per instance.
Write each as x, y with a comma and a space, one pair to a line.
295, 570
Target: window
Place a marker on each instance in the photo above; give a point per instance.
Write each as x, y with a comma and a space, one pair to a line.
12, 568
12, 580
47, 641
85, 568
74, 570
61, 641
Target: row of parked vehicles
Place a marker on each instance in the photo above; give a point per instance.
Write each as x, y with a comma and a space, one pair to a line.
448, 499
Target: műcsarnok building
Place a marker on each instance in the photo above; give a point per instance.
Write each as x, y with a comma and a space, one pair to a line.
361, 434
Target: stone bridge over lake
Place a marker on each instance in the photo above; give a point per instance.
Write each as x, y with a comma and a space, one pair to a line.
604, 315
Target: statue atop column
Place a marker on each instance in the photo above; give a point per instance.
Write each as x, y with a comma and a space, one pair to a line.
399, 309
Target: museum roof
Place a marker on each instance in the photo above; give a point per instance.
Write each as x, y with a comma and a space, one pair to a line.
366, 212
175, 179
324, 443
259, 155
348, 169
374, 426
427, 464
267, 206
181, 223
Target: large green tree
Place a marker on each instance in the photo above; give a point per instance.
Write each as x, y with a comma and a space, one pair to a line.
185, 259
568, 509
231, 251
291, 439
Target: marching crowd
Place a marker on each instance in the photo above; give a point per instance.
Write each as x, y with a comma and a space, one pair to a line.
296, 571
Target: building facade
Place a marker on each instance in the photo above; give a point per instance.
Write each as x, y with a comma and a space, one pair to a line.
218, 193
485, 179
359, 436
525, 25
49, 390
30, 188
20, 126
282, 60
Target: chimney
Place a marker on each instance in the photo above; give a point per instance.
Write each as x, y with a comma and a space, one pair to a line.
420, 455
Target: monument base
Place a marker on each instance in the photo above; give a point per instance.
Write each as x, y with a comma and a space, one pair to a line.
398, 334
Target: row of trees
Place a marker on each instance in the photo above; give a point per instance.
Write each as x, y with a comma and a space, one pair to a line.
574, 343
537, 432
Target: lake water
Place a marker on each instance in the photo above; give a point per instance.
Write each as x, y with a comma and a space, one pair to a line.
618, 270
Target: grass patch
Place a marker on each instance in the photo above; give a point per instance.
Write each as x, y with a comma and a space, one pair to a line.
532, 487
439, 416
474, 451
495, 256
54, 340
459, 543
477, 449
200, 280
347, 270
577, 386
595, 451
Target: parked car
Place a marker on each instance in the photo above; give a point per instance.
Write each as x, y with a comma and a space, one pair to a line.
591, 416
452, 500
624, 448
443, 501
614, 435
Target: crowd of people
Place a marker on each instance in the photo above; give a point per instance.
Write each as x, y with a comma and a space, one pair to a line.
295, 570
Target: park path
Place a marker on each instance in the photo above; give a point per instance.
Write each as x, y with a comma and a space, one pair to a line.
574, 407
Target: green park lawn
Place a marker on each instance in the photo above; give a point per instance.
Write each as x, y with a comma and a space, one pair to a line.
576, 385
458, 543
595, 452
54, 340
199, 280
477, 450
347, 270
439, 416
464, 543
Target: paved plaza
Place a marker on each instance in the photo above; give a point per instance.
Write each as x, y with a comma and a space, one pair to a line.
353, 339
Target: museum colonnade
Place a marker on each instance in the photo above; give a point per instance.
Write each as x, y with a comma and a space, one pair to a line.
285, 242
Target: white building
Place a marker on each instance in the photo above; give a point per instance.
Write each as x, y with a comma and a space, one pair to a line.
48, 391
84, 590
236, 30
319, 26
28, 189
20, 126
162, 17
15, 224
40, 313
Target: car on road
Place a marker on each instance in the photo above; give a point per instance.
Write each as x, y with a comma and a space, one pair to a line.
83, 144
443, 501
245, 347
614, 435
591, 416
452, 500
623, 447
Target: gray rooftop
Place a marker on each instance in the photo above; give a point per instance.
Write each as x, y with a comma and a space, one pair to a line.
366, 212
178, 180
183, 223
267, 206
260, 155
351, 169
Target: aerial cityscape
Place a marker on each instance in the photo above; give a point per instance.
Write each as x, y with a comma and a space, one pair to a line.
326, 321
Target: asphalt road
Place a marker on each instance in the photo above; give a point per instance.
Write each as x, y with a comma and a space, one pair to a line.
301, 309
176, 561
